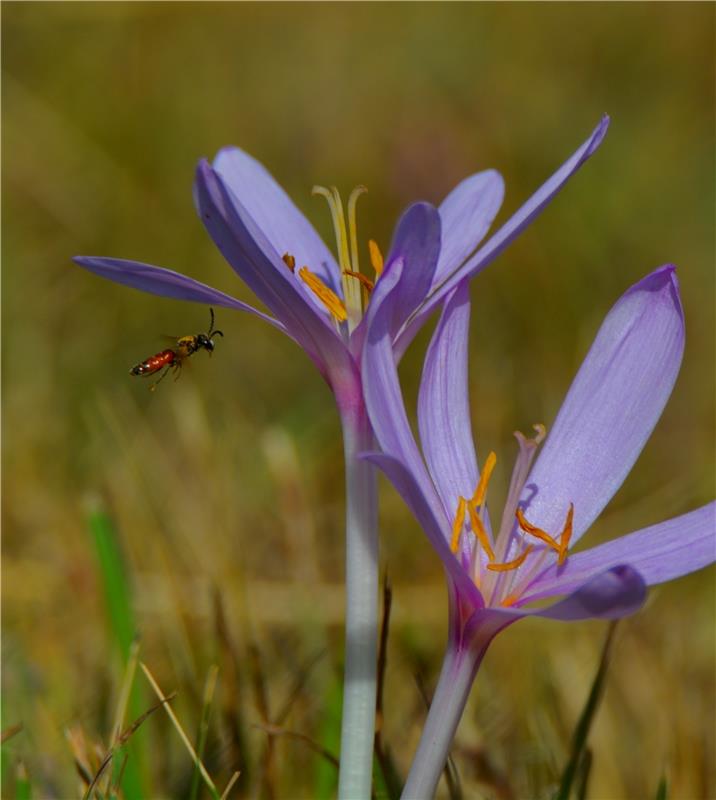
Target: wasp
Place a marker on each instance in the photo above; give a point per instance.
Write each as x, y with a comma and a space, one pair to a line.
173, 357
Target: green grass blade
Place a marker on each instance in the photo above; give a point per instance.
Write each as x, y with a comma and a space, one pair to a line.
209, 688
23, 790
585, 770
326, 780
386, 778
581, 732
182, 733
114, 579
117, 597
662, 790
119, 765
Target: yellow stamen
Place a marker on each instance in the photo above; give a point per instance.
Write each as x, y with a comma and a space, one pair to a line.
352, 229
512, 564
366, 282
478, 528
289, 261
376, 257
339, 224
565, 536
457, 524
510, 600
326, 295
479, 497
351, 290
533, 530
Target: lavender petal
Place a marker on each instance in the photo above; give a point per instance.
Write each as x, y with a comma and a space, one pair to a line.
258, 264
466, 215
416, 242
659, 553
443, 407
614, 593
404, 481
509, 231
166, 283
382, 392
611, 408
273, 211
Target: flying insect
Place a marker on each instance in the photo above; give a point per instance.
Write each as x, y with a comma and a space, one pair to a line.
173, 357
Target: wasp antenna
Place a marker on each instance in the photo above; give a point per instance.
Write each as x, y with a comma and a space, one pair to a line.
211, 324
217, 333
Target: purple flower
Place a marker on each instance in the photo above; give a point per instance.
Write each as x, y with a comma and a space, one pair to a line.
319, 302
609, 412
315, 299
496, 572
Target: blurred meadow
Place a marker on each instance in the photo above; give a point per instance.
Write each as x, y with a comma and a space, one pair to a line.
207, 516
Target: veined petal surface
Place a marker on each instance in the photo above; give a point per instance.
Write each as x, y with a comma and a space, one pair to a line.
659, 553
617, 592
258, 264
275, 213
614, 593
416, 242
166, 283
404, 481
611, 408
443, 407
466, 215
382, 392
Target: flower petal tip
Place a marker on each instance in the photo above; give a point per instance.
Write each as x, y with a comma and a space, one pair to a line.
227, 151
615, 593
599, 133
664, 282
495, 179
421, 211
204, 169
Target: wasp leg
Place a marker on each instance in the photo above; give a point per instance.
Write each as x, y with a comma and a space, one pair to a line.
177, 370
161, 378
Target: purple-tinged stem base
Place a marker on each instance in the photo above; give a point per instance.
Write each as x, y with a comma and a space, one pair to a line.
456, 678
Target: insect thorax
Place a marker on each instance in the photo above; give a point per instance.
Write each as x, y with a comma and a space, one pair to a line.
187, 345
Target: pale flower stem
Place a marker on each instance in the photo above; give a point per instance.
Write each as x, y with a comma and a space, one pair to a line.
454, 684
359, 687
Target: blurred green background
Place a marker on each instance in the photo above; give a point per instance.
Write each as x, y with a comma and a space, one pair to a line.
224, 490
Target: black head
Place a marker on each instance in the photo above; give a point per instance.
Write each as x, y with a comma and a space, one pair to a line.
202, 340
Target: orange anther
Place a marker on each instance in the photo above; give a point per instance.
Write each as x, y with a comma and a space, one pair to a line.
566, 535
514, 563
376, 257
289, 261
533, 530
326, 295
457, 524
478, 528
479, 497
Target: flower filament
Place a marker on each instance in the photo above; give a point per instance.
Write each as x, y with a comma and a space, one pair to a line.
501, 585
356, 286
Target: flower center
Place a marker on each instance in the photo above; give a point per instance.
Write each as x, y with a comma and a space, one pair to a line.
356, 286
499, 577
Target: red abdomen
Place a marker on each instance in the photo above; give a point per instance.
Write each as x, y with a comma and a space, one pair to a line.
155, 363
